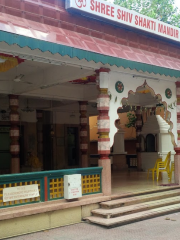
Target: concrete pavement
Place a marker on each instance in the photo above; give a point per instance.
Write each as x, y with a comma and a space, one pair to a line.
161, 228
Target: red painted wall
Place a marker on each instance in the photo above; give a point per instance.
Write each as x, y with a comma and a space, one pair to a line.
52, 12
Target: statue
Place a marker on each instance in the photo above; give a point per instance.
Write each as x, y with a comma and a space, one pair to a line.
118, 146
34, 161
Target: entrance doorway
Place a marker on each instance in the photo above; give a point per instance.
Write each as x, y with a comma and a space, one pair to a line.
148, 126
72, 146
5, 156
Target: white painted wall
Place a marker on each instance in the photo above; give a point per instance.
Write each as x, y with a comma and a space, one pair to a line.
131, 83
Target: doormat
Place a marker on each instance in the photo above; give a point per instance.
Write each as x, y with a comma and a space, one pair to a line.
169, 184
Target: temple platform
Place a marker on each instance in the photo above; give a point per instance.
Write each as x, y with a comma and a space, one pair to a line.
132, 181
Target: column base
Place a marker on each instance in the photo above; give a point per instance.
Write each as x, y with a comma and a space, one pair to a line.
177, 169
85, 162
106, 176
139, 162
15, 165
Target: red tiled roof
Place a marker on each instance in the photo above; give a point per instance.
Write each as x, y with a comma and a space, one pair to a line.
20, 26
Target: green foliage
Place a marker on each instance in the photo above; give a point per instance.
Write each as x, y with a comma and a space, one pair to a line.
162, 10
131, 120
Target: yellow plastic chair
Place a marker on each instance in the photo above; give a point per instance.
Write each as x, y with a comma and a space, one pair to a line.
163, 166
171, 171
153, 170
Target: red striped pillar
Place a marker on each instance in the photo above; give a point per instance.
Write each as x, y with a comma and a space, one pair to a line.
104, 129
14, 133
83, 133
138, 132
177, 149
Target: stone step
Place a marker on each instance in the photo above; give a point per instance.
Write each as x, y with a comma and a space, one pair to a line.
139, 199
144, 192
122, 220
121, 211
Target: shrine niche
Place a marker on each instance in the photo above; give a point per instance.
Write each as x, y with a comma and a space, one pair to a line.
157, 140
150, 143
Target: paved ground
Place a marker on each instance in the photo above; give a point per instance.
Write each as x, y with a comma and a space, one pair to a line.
161, 228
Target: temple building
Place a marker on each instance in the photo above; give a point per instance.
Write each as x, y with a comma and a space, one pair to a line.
88, 88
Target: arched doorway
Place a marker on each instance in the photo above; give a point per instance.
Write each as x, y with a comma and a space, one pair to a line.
147, 114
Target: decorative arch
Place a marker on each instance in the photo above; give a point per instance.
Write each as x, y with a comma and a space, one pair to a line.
145, 89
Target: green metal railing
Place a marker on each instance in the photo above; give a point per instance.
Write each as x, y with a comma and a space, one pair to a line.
50, 184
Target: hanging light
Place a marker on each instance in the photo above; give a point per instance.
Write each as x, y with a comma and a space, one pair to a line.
72, 115
27, 108
94, 105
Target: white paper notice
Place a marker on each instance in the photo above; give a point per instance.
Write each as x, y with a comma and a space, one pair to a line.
21, 192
